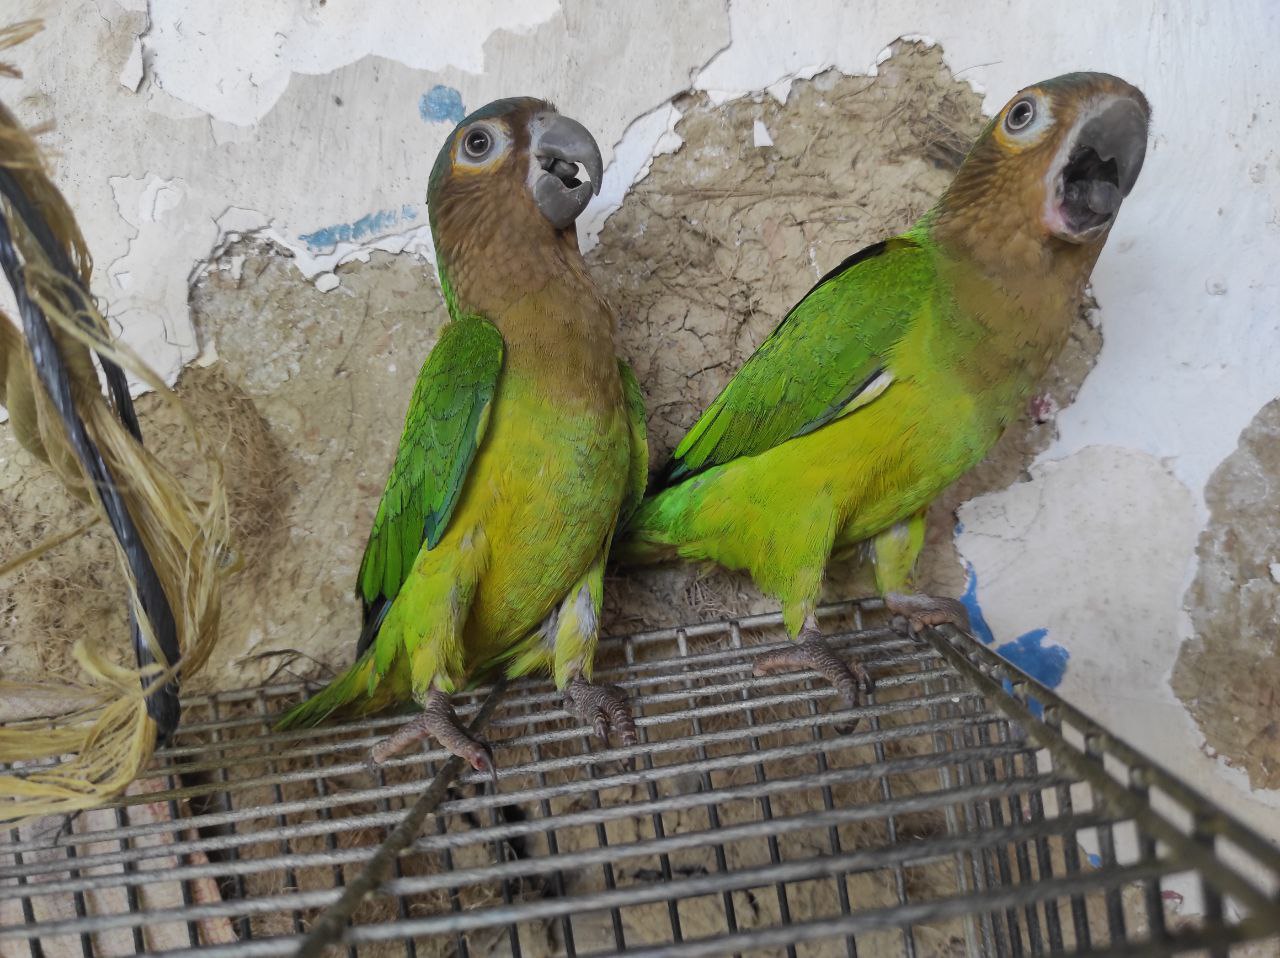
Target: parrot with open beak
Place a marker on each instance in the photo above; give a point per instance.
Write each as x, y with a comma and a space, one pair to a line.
900, 369
523, 445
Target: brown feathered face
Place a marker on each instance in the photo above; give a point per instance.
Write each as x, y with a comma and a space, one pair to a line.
1066, 151
514, 158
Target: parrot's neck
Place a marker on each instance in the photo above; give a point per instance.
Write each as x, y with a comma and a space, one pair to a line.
1016, 291
1003, 244
556, 327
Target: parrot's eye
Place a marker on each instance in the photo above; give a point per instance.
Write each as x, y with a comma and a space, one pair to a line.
1020, 115
477, 143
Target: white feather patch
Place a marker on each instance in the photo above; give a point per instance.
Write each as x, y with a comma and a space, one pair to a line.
872, 390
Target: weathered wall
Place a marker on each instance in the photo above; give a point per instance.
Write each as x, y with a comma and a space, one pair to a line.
1126, 550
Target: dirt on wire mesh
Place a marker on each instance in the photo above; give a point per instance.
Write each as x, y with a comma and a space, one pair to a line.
245, 774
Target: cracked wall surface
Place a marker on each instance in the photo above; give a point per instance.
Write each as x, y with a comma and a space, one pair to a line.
1229, 674
304, 406
274, 155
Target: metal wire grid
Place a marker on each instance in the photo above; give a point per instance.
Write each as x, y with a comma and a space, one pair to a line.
956, 818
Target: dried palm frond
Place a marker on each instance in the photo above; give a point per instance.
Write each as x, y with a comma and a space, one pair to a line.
172, 548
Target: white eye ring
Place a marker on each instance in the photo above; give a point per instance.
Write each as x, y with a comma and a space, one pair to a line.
477, 142
1020, 115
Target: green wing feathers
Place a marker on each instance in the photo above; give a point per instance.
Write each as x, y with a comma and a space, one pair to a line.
442, 431
820, 362
638, 476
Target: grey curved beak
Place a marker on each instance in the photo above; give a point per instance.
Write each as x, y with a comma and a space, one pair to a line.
1119, 133
1099, 168
558, 145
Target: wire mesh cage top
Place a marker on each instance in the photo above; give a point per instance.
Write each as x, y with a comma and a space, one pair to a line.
961, 810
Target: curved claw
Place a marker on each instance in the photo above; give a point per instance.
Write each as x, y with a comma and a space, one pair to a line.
480, 757
602, 707
927, 611
811, 651
439, 721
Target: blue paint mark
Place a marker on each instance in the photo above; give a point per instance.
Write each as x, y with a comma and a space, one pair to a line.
970, 601
370, 225
1095, 860
441, 104
1044, 663
1047, 664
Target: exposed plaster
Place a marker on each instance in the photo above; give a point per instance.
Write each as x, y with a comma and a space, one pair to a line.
201, 53
1229, 675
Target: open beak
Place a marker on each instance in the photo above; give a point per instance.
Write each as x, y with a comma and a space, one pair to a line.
559, 146
1100, 167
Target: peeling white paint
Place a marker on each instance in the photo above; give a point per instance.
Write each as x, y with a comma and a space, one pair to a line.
760, 134
331, 137
234, 59
1046, 552
649, 136
132, 72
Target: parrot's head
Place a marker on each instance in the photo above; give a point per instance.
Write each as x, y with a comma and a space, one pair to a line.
1055, 164
514, 165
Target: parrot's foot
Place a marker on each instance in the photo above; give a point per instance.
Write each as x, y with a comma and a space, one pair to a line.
810, 651
925, 611
439, 721
602, 707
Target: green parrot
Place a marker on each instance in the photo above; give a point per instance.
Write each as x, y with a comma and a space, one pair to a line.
900, 369
523, 444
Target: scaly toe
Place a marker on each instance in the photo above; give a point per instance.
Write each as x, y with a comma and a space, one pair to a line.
927, 611
438, 720
810, 651
794, 657
601, 707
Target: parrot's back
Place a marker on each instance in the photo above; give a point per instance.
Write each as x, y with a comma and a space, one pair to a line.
890, 379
